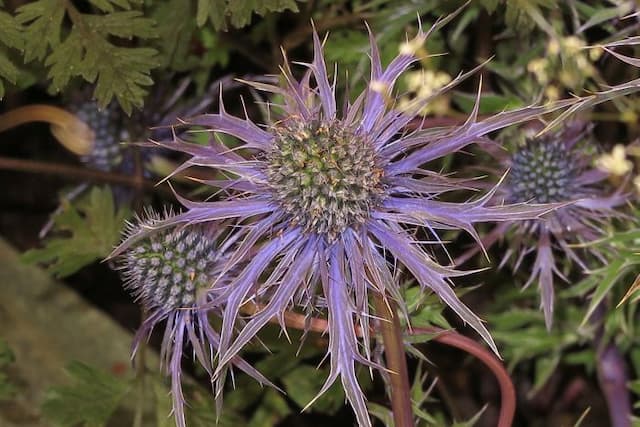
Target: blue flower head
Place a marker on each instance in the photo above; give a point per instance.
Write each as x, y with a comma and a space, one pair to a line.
170, 273
556, 167
326, 202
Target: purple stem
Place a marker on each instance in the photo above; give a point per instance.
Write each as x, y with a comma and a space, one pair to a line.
613, 378
612, 373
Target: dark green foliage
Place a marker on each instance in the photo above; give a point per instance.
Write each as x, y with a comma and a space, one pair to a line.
7, 388
10, 37
89, 401
122, 47
239, 12
89, 231
87, 49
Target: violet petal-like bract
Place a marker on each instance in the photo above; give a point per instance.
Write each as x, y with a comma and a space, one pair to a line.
333, 226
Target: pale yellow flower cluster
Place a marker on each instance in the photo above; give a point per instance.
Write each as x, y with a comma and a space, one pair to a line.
617, 164
423, 84
566, 65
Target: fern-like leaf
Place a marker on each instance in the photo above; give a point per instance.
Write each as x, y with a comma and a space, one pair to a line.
238, 11
89, 233
88, 49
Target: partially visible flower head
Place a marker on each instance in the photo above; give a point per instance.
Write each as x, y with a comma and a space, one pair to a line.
326, 205
107, 123
167, 270
543, 170
171, 273
555, 167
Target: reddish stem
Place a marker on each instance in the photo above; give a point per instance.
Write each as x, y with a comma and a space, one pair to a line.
396, 361
443, 336
507, 390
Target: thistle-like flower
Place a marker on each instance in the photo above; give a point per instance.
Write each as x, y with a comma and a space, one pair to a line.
108, 153
555, 168
170, 273
326, 205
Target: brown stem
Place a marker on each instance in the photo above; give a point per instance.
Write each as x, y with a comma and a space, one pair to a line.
76, 172
396, 361
447, 337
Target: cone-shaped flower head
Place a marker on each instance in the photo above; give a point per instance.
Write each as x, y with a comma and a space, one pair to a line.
324, 199
167, 270
171, 272
324, 176
555, 167
108, 125
543, 171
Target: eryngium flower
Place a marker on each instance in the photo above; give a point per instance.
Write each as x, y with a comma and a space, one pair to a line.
327, 203
555, 167
108, 152
170, 273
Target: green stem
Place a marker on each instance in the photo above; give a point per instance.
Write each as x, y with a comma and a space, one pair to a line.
396, 361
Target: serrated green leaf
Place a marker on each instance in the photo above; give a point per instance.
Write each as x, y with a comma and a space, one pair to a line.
125, 24
65, 61
87, 50
473, 420
522, 15
108, 5
124, 76
215, 10
93, 228
90, 401
8, 71
607, 14
163, 404
382, 413
241, 11
43, 22
545, 366
10, 31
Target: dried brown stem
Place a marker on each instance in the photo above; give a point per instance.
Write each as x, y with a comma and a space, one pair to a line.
75, 172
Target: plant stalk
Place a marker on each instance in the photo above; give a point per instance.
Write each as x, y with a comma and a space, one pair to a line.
443, 336
396, 361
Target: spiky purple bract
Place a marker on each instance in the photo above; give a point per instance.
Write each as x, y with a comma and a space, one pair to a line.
334, 200
555, 167
170, 272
